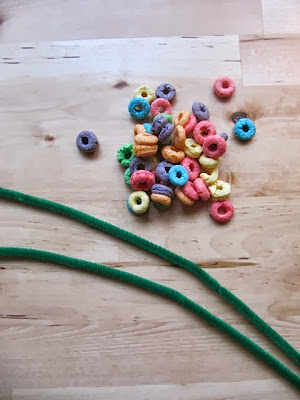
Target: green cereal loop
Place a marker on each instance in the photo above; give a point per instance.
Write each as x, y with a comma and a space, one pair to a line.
125, 155
127, 176
168, 116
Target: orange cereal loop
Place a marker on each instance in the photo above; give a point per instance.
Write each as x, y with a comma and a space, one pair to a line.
139, 128
172, 154
179, 137
161, 199
184, 199
182, 118
145, 139
144, 150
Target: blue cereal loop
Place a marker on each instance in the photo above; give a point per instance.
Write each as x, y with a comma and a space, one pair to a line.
138, 108
178, 175
244, 129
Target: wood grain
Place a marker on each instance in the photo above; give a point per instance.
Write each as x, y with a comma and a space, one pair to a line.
281, 16
32, 20
270, 60
60, 329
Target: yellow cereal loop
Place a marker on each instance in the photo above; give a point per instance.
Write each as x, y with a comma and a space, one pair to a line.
208, 162
138, 202
192, 148
220, 190
144, 91
211, 178
182, 118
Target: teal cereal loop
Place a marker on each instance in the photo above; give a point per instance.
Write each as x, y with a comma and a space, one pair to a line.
244, 129
127, 176
125, 155
139, 108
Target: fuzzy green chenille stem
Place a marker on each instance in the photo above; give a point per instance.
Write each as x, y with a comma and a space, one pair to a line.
161, 290
161, 252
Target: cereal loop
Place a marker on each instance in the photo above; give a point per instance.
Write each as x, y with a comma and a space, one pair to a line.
202, 130
210, 178
201, 189
161, 199
224, 86
214, 146
222, 211
138, 108
172, 154
139, 128
142, 180
160, 106
145, 139
220, 190
189, 127
144, 91
209, 163
144, 150
178, 175
192, 167
138, 202
192, 148
182, 118
190, 191
184, 199
179, 137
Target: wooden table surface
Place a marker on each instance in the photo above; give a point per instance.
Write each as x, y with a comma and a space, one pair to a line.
73, 65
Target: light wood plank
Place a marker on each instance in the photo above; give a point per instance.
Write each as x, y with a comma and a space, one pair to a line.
60, 328
31, 20
281, 16
195, 391
271, 60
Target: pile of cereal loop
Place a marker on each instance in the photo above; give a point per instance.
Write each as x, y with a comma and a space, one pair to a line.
176, 157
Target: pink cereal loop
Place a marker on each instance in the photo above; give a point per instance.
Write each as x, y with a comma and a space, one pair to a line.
202, 130
201, 189
192, 166
224, 86
189, 127
214, 146
226, 206
160, 106
190, 191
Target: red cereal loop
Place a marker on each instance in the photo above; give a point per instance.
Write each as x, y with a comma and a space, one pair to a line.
189, 127
224, 86
222, 211
160, 106
214, 146
142, 180
202, 130
201, 189
190, 191
192, 166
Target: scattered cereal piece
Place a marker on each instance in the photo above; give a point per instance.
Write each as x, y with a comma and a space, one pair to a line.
244, 129
200, 111
166, 91
222, 211
224, 86
139, 108
125, 155
87, 142
220, 190
145, 92
214, 146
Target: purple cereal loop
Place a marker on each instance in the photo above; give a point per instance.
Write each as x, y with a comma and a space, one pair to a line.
224, 135
158, 124
162, 170
200, 111
165, 133
166, 91
162, 189
138, 163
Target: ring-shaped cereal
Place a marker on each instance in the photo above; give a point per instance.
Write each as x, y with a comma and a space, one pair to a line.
160, 106
141, 150
192, 148
145, 92
166, 91
178, 175
224, 86
138, 202
168, 116
182, 118
214, 146
147, 126
201, 189
163, 169
138, 164
220, 190
211, 177
200, 111
139, 128
145, 139
142, 180
192, 167
209, 163
227, 211
125, 155
139, 108
172, 154
184, 199
161, 199
244, 129
127, 176
190, 191
202, 130
189, 127
179, 137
